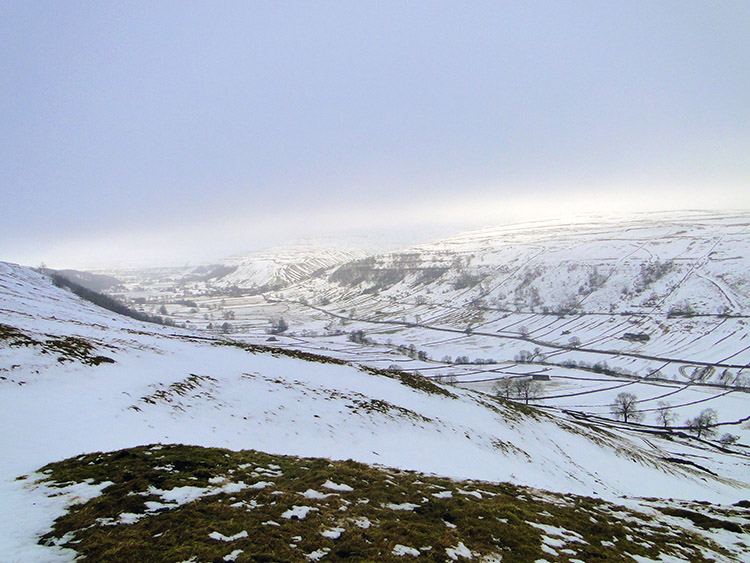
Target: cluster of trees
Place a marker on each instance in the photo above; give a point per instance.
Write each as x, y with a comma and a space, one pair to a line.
412, 352
464, 280
447, 379
598, 367
683, 309
526, 357
225, 328
704, 425
650, 273
278, 326
523, 388
359, 337
465, 360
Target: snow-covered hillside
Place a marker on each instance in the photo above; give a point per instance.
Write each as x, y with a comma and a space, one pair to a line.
75, 378
657, 295
250, 273
670, 263
280, 266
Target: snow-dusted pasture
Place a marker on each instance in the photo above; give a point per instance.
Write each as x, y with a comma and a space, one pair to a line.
591, 305
165, 385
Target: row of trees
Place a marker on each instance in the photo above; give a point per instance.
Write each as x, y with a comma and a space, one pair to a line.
625, 407
106, 301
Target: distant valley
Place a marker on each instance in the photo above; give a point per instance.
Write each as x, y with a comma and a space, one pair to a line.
597, 368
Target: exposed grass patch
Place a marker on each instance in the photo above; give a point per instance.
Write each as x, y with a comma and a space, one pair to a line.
413, 380
298, 354
509, 409
187, 387
705, 521
67, 348
283, 508
76, 348
384, 407
13, 337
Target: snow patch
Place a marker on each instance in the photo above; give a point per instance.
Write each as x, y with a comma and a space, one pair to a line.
401, 550
333, 533
298, 512
221, 537
318, 554
336, 487
313, 494
459, 551
261, 485
402, 506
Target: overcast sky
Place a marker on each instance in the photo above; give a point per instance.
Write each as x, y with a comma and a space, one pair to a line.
162, 132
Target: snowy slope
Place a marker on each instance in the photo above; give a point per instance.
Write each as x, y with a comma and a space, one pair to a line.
175, 388
278, 267
654, 262
663, 293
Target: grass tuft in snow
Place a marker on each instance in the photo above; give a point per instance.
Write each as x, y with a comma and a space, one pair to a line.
415, 381
66, 348
705, 521
298, 354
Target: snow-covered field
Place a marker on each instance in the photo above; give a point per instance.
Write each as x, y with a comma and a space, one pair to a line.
660, 297
656, 307
165, 385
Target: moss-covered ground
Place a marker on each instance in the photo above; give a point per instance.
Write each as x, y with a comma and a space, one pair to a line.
187, 503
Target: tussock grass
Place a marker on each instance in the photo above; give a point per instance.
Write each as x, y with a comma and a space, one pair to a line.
413, 380
67, 348
354, 512
291, 353
705, 521
13, 337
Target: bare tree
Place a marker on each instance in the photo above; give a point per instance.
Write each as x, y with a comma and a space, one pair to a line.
524, 357
728, 439
503, 388
625, 407
447, 379
526, 389
703, 424
664, 414
726, 377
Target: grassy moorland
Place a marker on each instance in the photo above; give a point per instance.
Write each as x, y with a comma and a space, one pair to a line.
188, 503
